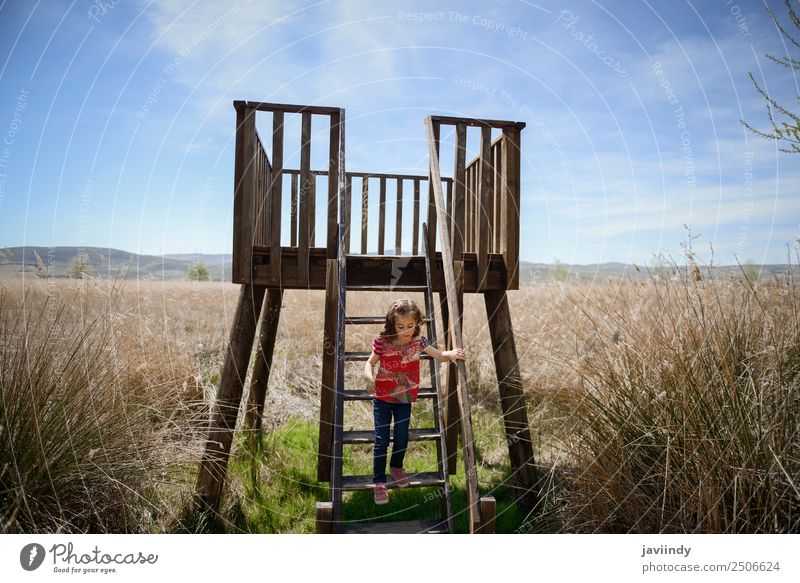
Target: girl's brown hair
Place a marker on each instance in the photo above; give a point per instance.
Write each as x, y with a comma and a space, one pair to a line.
402, 307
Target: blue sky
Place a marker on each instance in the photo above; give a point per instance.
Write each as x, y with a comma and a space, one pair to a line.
117, 120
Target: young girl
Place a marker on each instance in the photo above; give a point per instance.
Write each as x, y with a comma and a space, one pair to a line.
397, 350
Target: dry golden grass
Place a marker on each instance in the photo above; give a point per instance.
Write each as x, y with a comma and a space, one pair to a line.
603, 365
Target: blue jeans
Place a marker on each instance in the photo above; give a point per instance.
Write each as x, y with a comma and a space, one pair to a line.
383, 413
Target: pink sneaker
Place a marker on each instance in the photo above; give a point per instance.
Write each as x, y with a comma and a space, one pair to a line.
399, 476
381, 495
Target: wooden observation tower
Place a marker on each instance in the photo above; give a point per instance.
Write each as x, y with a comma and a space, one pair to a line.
465, 240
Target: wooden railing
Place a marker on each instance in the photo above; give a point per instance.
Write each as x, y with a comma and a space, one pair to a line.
481, 199
486, 194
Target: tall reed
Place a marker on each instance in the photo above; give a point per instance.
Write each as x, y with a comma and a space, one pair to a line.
684, 414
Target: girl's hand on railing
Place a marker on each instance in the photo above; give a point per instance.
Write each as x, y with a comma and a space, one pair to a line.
455, 354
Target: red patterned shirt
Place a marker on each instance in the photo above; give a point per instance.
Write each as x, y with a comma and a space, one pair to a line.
397, 380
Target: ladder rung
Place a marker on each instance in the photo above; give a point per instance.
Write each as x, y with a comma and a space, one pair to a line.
365, 356
418, 480
364, 319
388, 288
362, 395
405, 527
367, 436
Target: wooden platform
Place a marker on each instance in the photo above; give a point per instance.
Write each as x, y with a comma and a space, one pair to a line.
375, 271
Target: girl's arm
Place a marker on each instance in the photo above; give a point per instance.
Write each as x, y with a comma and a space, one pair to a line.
369, 372
447, 355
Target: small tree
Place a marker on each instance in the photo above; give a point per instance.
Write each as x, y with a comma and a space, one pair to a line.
80, 267
787, 131
199, 272
558, 272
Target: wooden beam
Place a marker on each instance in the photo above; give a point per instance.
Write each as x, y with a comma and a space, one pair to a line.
484, 205
398, 232
259, 381
286, 108
455, 324
474, 122
512, 397
364, 213
225, 410
276, 195
382, 218
305, 196
327, 392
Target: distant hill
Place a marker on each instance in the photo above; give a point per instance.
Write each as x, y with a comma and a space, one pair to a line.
108, 263
175, 266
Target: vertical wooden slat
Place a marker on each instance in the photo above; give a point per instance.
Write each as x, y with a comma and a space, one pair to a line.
293, 211
484, 206
276, 195
348, 198
432, 226
449, 201
244, 193
459, 187
497, 191
364, 213
470, 200
333, 186
305, 199
312, 203
415, 239
511, 173
382, 218
398, 237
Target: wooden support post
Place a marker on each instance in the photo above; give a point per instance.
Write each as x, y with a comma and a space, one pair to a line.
214, 465
333, 187
512, 398
382, 218
364, 213
488, 512
398, 233
276, 193
259, 382
432, 208
484, 206
306, 216
324, 518
328, 389
244, 187
452, 425
511, 200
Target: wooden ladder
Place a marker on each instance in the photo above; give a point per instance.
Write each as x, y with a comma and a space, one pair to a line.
438, 479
